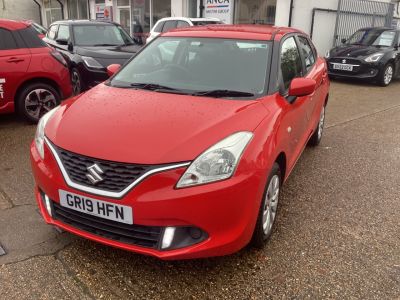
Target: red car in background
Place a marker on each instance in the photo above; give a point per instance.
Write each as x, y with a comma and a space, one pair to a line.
182, 152
33, 77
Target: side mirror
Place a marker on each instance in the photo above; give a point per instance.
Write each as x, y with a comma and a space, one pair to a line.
62, 41
112, 69
343, 41
302, 87
70, 46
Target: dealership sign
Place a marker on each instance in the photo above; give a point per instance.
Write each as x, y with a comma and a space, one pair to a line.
220, 9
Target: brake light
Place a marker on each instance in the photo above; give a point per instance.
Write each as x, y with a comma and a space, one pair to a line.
59, 58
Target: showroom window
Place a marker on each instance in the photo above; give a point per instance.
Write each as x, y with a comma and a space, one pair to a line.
145, 14
78, 9
124, 14
52, 11
255, 11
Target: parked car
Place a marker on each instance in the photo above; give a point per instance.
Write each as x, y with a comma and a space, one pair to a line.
89, 47
33, 77
184, 156
41, 31
165, 24
370, 53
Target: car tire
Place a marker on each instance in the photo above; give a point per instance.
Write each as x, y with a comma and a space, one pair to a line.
268, 208
318, 132
36, 99
386, 75
76, 82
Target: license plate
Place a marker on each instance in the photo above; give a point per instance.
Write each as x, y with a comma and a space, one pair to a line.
98, 208
343, 67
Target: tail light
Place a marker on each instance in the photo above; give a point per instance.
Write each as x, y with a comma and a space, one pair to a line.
57, 55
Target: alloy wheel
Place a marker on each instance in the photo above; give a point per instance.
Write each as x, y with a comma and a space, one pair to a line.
388, 75
38, 102
270, 204
76, 82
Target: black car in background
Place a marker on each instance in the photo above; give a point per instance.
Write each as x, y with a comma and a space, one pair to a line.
370, 53
89, 48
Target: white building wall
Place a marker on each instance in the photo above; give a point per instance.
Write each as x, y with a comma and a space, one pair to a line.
324, 22
19, 10
177, 8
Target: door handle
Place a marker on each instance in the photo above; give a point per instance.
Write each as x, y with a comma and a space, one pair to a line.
14, 60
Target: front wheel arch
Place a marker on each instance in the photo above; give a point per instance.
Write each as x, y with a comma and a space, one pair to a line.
45, 80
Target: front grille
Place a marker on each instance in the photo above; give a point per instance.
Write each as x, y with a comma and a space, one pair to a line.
116, 176
144, 236
350, 61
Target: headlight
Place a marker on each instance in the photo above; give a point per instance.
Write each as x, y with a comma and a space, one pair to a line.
92, 63
327, 54
39, 136
374, 57
218, 162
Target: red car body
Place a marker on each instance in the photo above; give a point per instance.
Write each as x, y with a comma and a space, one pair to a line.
153, 128
21, 65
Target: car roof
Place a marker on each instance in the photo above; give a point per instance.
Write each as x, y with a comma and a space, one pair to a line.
84, 22
245, 32
12, 24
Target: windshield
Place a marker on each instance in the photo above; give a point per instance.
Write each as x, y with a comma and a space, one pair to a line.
383, 38
202, 66
100, 35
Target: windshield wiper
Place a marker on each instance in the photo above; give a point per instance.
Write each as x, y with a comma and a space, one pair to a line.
223, 93
154, 87
104, 45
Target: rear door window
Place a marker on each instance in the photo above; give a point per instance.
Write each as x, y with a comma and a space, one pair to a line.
159, 27
7, 41
291, 64
30, 38
169, 25
182, 24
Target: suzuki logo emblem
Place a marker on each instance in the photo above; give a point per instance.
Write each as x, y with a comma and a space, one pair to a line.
94, 173
344, 61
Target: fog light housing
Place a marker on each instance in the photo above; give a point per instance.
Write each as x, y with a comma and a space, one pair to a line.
47, 203
168, 236
180, 237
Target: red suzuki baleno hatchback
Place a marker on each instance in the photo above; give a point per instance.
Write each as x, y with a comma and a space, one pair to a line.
33, 77
182, 153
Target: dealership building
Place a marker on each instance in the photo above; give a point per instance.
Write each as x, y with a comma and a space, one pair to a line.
326, 21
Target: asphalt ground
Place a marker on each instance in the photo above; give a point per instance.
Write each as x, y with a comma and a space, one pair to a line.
337, 234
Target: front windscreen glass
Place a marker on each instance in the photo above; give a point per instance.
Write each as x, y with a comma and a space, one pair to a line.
205, 22
200, 66
382, 38
100, 35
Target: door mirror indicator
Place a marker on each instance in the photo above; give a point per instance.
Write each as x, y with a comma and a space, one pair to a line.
62, 41
302, 87
112, 69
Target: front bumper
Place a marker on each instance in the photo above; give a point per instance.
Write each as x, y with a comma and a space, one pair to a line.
92, 77
361, 69
226, 211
